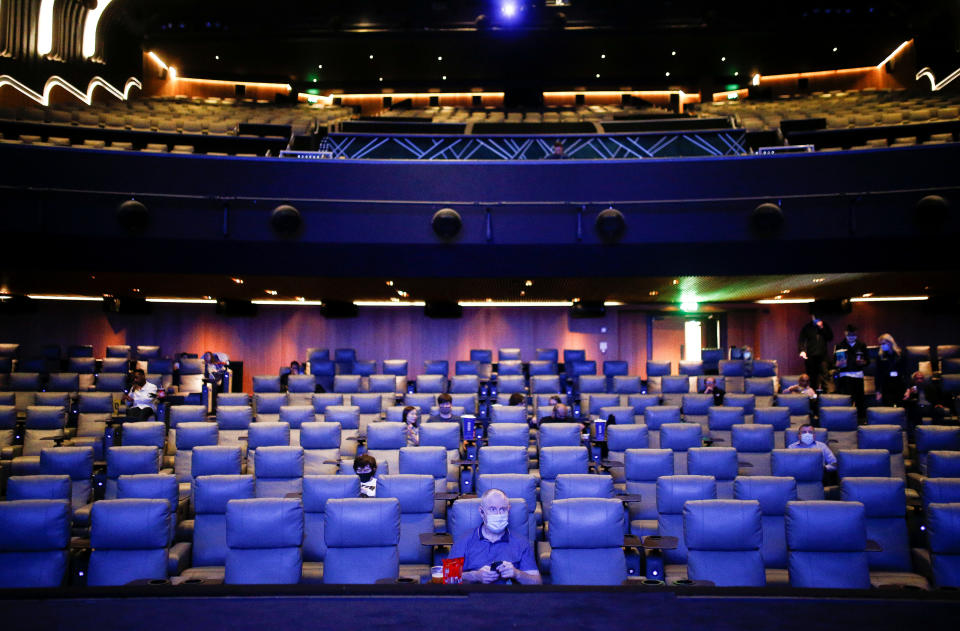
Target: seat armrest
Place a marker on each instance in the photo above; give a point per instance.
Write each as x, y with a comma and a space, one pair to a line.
915, 481
660, 542
922, 563
81, 516
178, 558
185, 530
11, 452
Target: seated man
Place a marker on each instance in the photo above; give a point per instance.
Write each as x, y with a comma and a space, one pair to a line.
445, 413
802, 387
923, 398
710, 387
365, 466
492, 554
809, 441
142, 399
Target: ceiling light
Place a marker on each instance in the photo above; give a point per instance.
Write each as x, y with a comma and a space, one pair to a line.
217, 57
785, 291
653, 292
866, 295
270, 292
529, 283
183, 301
784, 301
444, 77
890, 299
736, 74
723, 59
819, 280
393, 302
676, 281
320, 66
834, 49
135, 290
667, 74
598, 75
381, 79
371, 56
439, 58
208, 297
603, 56
514, 303
296, 303
238, 281
673, 53
523, 293
389, 283
301, 299
64, 297
689, 305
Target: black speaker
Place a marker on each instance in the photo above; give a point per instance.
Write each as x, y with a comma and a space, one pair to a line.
127, 305
286, 221
610, 225
236, 308
588, 309
446, 223
833, 306
133, 216
766, 220
442, 309
339, 309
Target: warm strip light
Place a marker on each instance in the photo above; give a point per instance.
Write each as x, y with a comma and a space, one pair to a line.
934, 86
410, 95
90, 28
894, 54
890, 299
785, 301
184, 301
389, 303
65, 297
152, 55
45, 28
612, 303
296, 303
249, 84
517, 303
55, 81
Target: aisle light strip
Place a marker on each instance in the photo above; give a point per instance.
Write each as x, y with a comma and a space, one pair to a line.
896, 52
389, 303
890, 299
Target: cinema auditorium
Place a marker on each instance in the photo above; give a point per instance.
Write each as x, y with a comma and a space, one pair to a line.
444, 314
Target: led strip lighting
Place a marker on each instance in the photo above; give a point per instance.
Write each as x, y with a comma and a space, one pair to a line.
56, 81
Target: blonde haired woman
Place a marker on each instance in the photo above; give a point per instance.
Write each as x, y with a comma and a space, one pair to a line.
891, 379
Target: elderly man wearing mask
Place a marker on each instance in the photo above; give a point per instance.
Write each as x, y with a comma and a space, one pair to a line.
493, 554
808, 441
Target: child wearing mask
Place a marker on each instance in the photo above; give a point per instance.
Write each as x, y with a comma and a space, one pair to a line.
365, 466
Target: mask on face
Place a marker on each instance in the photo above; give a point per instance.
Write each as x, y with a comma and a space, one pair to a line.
886, 347
365, 477
806, 438
851, 339
497, 523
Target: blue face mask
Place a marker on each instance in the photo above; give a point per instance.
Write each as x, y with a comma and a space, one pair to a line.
886, 347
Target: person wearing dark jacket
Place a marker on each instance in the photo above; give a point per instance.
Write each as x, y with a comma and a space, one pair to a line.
891, 379
814, 338
923, 398
850, 357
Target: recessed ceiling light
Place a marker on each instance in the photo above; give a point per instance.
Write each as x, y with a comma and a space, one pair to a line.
673, 53
439, 58
785, 291
238, 281
529, 283
523, 293
389, 283
598, 75
834, 49
723, 59
653, 292
444, 77
666, 74
394, 299
320, 66
381, 79
489, 299
300, 299
866, 295
576, 300
270, 292
676, 281
603, 56
92, 277
217, 57
371, 56
736, 74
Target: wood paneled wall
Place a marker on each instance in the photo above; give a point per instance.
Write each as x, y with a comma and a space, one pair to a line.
278, 335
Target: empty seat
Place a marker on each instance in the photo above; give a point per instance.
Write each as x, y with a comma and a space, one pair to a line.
129, 538
279, 471
317, 489
439, 367
754, 445
943, 535
673, 388
348, 416
75, 462
267, 383
655, 416
211, 495
620, 438
264, 536
265, 435
415, 495
773, 494
719, 462
886, 437
643, 467
586, 541
362, 537
673, 492
827, 557
863, 463
779, 419
803, 465
841, 426
190, 435
679, 437
432, 383
320, 402
720, 422
384, 441
321, 448
724, 539
763, 388
34, 536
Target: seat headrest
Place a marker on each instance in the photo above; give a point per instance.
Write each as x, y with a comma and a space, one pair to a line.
622, 414
131, 524
772, 492
46, 417
723, 418
234, 417
464, 517
798, 404
347, 383
484, 356
675, 384
720, 462
266, 522
752, 438
674, 490
626, 384
863, 463
63, 382
383, 383
887, 416
887, 437
317, 489
697, 403
215, 460
804, 465
553, 434
646, 465
943, 464
591, 522
367, 403
826, 526
727, 525
192, 366
131, 460
601, 400
943, 528
386, 435
186, 414
430, 461
301, 383
838, 419
522, 485
149, 486
233, 398
8, 416
937, 437
280, 462
508, 413
656, 415
574, 485
941, 490
296, 415
324, 435
578, 368
212, 492
692, 367
323, 367
880, 496
446, 435
658, 369
369, 522
414, 492
557, 460
680, 436
513, 434
267, 383
321, 401
759, 386
76, 462
34, 525
746, 401
25, 381
269, 402
268, 435
347, 415
190, 435
503, 459
593, 383
614, 368
38, 487
148, 433
623, 437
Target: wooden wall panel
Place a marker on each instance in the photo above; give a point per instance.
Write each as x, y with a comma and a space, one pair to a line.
279, 334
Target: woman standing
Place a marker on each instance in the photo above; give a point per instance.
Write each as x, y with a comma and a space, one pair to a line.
891, 380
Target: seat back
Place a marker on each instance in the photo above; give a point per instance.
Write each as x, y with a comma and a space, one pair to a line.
943, 464
233, 423
673, 387
724, 539
673, 491
863, 463
347, 383
841, 425
827, 557
508, 413
34, 536
437, 367
586, 542
719, 462
317, 489
362, 538
415, 495
772, 493
43, 422
211, 494
642, 469
38, 487
384, 441
503, 460
76, 462
886, 437
192, 373
129, 461
720, 422
620, 438
506, 434
159, 486
321, 448
887, 416
803, 465
279, 471
542, 368
884, 501
557, 435
264, 536
932, 438
679, 437
943, 535
754, 444
129, 538
432, 383
190, 435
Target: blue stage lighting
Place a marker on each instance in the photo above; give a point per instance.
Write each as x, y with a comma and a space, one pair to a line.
509, 8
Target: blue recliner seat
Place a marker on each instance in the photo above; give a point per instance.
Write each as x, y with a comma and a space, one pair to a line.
643, 467
586, 542
430, 461
655, 417
826, 545
362, 537
265, 435
679, 437
672, 493
210, 497
38, 487
772, 493
163, 487
890, 439
76, 462
279, 471
515, 485
190, 435
415, 494
620, 438
720, 422
321, 448
34, 536
723, 539
718, 462
264, 538
943, 535
555, 461
317, 489
129, 461
803, 465
129, 539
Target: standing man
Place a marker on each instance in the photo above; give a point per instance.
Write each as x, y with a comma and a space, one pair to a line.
814, 338
851, 358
